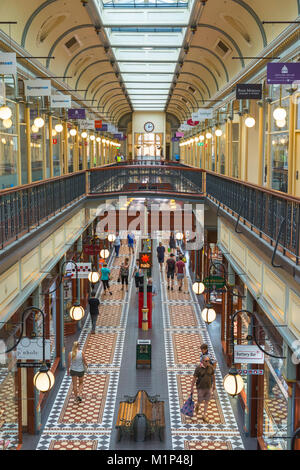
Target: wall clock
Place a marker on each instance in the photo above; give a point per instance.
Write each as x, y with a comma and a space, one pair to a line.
149, 126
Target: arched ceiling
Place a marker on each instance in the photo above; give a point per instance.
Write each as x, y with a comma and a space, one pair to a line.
83, 38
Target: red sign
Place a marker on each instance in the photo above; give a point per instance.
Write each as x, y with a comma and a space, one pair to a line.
145, 261
54, 141
91, 249
190, 122
98, 124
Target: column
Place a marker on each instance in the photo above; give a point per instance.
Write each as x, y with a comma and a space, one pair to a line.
28, 132
50, 127
60, 324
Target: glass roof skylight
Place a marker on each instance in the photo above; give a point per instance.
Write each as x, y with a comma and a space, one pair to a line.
146, 37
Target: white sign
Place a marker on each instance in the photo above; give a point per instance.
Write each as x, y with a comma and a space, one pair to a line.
2, 92
83, 270
248, 354
8, 63
60, 101
38, 87
32, 348
202, 114
87, 124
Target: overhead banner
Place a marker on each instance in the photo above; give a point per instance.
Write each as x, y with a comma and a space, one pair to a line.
202, 114
60, 101
248, 354
8, 63
76, 113
88, 124
279, 73
2, 92
37, 87
249, 91
103, 128
179, 134
98, 124
117, 136
192, 123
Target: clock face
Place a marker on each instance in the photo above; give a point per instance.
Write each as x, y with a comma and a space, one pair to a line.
149, 126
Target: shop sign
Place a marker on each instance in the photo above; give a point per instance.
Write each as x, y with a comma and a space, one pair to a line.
179, 134
175, 139
249, 91
54, 141
87, 124
83, 270
248, 354
103, 128
32, 349
37, 87
91, 249
117, 136
8, 63
78, 113
192, 123
280, 73
98, 124
145, 260
2, 92
251, 371
216, 282
202, 114
60, 101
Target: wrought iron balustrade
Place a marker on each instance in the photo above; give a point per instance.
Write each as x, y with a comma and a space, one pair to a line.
26, 207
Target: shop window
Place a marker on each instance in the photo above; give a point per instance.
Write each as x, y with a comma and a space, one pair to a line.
56, 147
8, 149
235, 149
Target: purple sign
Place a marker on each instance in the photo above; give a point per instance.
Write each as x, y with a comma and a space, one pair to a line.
179, 134
117, 136
175, 139
280, 73
103, 128
76, 113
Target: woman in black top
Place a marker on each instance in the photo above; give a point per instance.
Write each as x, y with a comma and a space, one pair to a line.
94, 310
172, 243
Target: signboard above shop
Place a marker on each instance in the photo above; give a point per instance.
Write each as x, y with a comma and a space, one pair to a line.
37, 87
280, 73
202, 114
248, 354
8, 63
60, 101
32, 348
249, 91
76, 113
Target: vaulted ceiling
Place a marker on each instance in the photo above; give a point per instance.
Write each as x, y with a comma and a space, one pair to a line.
127, 55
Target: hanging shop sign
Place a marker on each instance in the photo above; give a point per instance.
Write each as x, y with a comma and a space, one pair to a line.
179, 134
192, 123
2, 92
8, 63
280, 73
83, 270
76, 113
249, 91
103, 128
216, 282
202, 114
60, 101
145, 260
248, 354
117, 136
37, 87
98, 124
87, 124
175, 139
32, 349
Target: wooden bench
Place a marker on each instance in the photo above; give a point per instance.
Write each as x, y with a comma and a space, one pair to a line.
141, 405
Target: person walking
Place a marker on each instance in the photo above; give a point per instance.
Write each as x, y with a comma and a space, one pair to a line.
138, 275
105, 273
94, 310
180, 271
76, 368
153, 290
204, 353
170, 270
124, 273
160, 255
204, 377
117, 244
130, 240
172, 243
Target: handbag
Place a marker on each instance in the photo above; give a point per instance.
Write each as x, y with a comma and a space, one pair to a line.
188, 407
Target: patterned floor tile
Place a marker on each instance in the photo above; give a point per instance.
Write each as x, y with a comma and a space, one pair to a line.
110, 315
100, 348
187, 347
207, 445
182, 316
73, 445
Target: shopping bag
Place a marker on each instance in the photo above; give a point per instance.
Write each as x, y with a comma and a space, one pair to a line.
188, 407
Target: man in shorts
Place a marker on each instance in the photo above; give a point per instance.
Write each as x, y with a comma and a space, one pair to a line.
130, 240
204, 377
180, 271
170, 270
161, 255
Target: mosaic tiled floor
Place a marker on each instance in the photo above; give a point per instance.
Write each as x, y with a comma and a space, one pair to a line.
185, 331
88, 425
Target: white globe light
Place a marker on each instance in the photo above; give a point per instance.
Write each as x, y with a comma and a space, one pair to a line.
233, 383
5, 112
208, 135
39, 122
201, 137
279, 113
76, 312
196, 139
98, 139
219, 132
73, 132
281, 123
104, 253
250, 122
111, 237
7, 123
179, 236
43, 379
54, 132
198, 287
34, 128
59, 128
94, 277
208, 314
92, 137
84, 135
